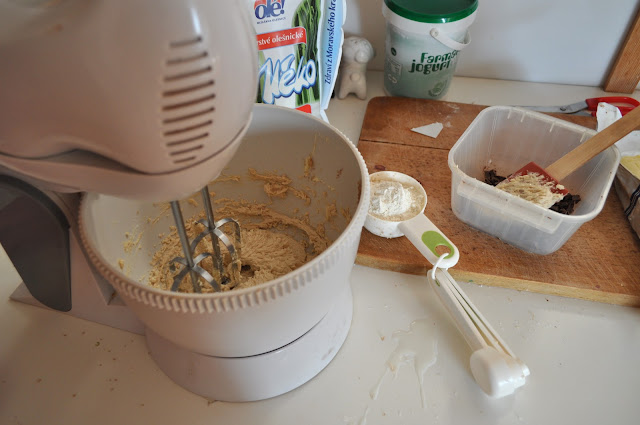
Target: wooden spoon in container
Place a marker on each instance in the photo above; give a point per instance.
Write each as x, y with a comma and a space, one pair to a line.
571, 161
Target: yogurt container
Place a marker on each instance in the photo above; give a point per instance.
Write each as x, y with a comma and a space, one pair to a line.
423, 40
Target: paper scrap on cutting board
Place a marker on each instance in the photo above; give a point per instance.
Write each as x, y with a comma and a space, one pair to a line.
431, 130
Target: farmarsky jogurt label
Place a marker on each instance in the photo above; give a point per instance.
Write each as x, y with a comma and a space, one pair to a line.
427, 63
417, 65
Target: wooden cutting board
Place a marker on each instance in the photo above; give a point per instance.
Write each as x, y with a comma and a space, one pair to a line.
589, 266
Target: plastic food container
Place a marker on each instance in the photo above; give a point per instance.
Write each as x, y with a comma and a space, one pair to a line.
506, 138
423, 39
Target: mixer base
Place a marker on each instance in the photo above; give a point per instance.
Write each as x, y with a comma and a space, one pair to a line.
261, 376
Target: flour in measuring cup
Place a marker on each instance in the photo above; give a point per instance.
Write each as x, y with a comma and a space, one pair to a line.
393, 201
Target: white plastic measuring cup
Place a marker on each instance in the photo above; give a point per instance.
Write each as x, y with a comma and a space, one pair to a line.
424, 235
493, 365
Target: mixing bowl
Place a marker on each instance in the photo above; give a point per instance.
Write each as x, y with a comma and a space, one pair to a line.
243, 322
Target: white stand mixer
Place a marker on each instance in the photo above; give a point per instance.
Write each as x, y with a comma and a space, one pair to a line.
145, 100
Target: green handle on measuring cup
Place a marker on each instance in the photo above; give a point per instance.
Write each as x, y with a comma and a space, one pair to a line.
433, 239
427, 238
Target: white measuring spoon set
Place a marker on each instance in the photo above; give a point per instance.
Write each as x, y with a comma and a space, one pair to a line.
493, 365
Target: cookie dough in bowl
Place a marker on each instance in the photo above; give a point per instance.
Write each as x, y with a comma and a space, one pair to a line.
300, 191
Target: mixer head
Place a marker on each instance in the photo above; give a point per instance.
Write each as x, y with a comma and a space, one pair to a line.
146, 99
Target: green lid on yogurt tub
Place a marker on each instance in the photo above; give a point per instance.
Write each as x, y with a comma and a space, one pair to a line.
433, 11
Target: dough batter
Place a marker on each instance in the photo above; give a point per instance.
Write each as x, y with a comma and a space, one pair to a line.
272, 245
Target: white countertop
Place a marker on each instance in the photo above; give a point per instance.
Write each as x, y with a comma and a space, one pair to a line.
583, 356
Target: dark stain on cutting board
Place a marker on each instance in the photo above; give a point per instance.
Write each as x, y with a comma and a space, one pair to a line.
588, 266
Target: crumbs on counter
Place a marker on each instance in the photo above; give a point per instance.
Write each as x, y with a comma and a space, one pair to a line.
564, 206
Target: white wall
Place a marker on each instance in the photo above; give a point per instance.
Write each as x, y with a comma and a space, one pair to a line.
554, 41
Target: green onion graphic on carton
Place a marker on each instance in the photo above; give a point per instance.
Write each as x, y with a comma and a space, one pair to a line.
307, 15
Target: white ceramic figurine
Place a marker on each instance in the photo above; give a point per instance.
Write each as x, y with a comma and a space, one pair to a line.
352, 77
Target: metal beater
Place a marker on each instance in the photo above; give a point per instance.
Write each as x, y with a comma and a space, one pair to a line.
191, 265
